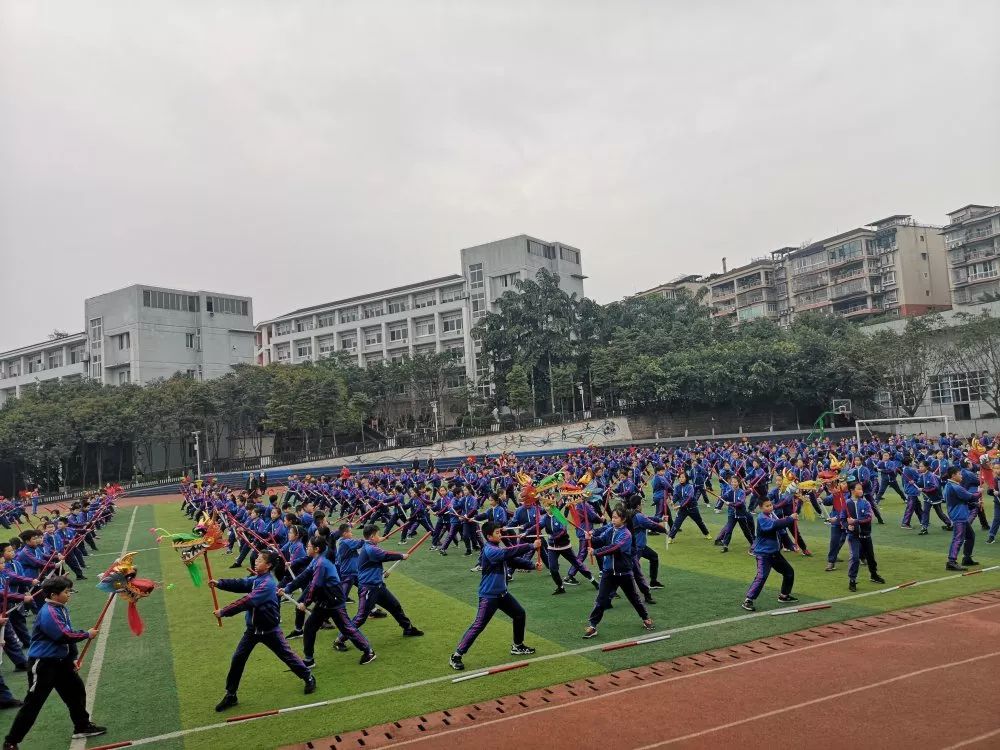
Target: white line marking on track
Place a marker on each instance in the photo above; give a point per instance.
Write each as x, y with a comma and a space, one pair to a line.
546, 657
102, 554
821, 699
973, 740
102, 643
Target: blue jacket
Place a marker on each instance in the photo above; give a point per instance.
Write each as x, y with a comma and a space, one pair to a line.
347, 557
961, 502
53, 636
260, 601
614, 547
769, 527
370, 560
861, 512
324, 587
642, 524
494, 561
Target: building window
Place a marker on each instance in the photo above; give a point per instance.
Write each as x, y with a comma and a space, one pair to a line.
397, 359
373, 359
476, 276
425, 328
428, 299
451, 325
507, 281
325, 345
96, 372
373, 336
55, 360
958, 387
399, 333
303, 324
76, 355
455, 381
349, 316
124, 376
226, 306
373, 310
189, 374
35, 364
397, 305
451, 294
478, 300
96, 330
541, 250
349, 342
283, 352
304, 349
156, 299
189, 340
572, 256
283, 329
326, 320
124, 341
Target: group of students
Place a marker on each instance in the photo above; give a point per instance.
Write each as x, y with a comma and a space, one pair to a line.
322, 539
33, 584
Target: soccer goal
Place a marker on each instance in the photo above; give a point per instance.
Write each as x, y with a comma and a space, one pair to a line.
896, 421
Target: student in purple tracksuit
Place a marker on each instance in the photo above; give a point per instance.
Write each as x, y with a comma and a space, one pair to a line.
613, 544
323, 589
560, 546
493, 594
857, 514
963, 506
263, 623
686, 500
767, 549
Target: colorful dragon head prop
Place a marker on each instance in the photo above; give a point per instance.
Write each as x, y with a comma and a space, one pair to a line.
531, 490
204, 538
121, 579
788, 483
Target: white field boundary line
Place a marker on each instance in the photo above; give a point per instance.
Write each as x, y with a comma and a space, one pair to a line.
822, 699
973, 740
547, 657
103, 554
102, 643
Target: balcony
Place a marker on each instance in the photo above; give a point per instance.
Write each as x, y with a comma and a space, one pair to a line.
719, 312
959, 258
854, 310
751, 283
846, 290
855, 273
844, 260
722, 293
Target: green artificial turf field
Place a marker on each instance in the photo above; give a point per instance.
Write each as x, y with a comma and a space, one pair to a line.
170, 678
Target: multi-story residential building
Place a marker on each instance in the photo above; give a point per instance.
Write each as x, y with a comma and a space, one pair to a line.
692, 283
745, 293
894, 265
63, 357
141, 333
138, 334
425, 317
972, 238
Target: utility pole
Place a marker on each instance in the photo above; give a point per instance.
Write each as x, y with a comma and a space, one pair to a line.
434, 408
197, 453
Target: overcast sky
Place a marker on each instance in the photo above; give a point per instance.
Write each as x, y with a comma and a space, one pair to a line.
299, 152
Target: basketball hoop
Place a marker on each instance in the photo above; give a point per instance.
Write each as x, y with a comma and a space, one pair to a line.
841, 406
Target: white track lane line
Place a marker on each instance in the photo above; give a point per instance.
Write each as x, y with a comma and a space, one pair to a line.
973, 740
102, 643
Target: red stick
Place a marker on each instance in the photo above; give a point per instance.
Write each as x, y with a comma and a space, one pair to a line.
538, 535
215, 594
409, 552
86, 646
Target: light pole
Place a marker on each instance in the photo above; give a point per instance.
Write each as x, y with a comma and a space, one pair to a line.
583, 404
434, 408
197, 452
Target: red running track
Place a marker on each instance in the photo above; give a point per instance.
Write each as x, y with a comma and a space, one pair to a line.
921, 683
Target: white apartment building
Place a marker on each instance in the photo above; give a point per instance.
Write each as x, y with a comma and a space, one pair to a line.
425, 317
138, 334
692, 283
56, 359
973, 241
141, 333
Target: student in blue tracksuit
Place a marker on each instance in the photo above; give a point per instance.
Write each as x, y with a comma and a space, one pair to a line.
887, 471
911, 493
560, 545
767, 549
324, 591
930, 485
857, 515
493, 594
613, 544
372, 590
992, 491
735, 499
686, 500
962, 509
52, 666
263, 623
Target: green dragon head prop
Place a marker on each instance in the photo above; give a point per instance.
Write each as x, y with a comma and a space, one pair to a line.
204, 538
